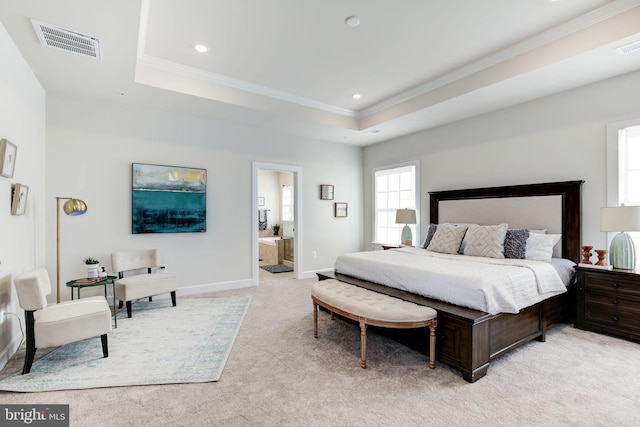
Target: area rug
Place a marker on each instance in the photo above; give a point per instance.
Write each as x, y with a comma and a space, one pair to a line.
160, 344
277, 268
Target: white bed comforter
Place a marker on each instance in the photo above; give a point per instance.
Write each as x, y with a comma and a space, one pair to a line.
485, 284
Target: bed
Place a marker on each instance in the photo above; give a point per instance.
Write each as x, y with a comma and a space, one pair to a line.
469, 338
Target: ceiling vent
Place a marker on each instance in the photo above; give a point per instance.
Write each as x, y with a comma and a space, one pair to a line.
629, 47
67, 40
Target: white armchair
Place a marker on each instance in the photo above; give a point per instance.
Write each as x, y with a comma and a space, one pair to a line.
136, 286
60, 324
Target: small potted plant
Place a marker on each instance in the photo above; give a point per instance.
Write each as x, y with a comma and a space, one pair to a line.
276, 229
93, 267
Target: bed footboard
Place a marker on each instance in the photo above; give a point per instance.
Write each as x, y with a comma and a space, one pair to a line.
468, 340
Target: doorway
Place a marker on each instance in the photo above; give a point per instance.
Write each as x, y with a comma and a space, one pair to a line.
276, 201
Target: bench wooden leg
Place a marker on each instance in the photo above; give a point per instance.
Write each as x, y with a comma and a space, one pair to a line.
363, 339
432, 346
315, 320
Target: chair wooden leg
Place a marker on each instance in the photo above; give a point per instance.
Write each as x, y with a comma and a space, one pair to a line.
173, 298
129, 309
105, 346
31, 342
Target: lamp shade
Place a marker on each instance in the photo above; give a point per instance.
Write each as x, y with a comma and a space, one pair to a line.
620, 218
405, 216
74, 207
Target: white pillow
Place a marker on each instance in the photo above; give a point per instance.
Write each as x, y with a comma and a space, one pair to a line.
485, 240
540, 246
447, 239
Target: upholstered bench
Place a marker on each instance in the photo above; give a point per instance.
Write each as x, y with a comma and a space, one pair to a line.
372, 308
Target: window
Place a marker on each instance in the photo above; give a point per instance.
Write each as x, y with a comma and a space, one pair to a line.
394, 188
287, 203
624, 167
629, 170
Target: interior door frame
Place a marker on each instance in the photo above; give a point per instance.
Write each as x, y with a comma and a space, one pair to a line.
297, 215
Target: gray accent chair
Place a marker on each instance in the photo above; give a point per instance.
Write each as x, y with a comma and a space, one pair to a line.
59, 324
131, 285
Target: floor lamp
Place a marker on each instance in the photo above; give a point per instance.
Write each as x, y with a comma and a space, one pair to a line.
72, 207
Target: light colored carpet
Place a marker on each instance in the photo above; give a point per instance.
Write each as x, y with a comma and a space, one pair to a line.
278, 375
160, 344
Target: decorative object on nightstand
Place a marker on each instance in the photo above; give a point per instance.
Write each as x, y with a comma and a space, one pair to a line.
406, 217
602, 253
622, 252
609, 302
72, 207
586, 254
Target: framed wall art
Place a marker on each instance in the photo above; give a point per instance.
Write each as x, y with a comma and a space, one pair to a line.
19, 196
326, 192
8, 152
340, 210
168, 199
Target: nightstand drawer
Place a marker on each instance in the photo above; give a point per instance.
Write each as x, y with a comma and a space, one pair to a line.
614, 318
593, 282
614, 301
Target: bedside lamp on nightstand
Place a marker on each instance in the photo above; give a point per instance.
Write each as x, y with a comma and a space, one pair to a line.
406, 217
622, 252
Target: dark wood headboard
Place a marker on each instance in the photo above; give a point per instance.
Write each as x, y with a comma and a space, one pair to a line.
569, 191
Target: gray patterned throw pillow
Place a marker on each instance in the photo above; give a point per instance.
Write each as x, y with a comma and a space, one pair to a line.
515, 243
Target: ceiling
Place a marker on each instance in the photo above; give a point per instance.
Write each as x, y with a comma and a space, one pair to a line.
293, 65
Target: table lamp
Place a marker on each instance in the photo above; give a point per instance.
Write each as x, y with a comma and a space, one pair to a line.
72, 207
622, 252
406, 217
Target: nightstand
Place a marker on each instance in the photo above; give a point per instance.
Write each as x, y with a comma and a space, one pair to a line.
608, 301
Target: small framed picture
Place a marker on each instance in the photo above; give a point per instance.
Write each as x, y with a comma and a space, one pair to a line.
19, 197
326, 192
8, 152
340, 210
260, 201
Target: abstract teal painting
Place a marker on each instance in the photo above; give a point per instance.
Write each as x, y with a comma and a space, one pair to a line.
168, 199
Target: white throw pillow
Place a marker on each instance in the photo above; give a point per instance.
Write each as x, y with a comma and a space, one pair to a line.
485, 240
540, 246
447, 239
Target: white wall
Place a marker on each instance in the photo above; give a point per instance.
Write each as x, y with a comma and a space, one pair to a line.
556, 138
91, 147
22, 238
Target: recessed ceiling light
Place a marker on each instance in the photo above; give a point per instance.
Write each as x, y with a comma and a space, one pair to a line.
352, 21
356, 96
201, 48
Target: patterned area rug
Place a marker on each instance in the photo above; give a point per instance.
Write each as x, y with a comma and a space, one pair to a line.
277, 268
160, 344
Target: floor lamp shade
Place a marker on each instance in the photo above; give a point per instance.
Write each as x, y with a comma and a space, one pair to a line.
406, 216
72, 207
622, 252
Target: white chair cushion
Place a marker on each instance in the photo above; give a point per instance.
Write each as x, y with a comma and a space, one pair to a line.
71, 321
145, 285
